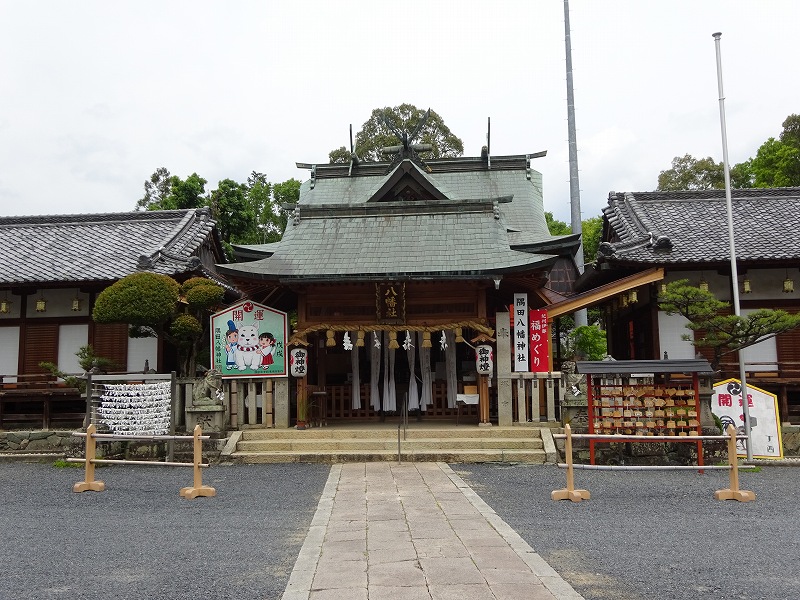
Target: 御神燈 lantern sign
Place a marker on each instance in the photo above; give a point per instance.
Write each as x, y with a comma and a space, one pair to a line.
539, 342
298, 361
484, 359
248, 339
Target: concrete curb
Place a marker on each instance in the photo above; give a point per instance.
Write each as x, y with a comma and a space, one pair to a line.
31, 457
230, 445
299, 586
549, 445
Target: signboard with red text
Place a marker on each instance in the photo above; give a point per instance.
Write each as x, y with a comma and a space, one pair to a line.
765, 430
539, 341
249, 340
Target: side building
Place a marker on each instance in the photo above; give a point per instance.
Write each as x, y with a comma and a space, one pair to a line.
686, 234
54, 266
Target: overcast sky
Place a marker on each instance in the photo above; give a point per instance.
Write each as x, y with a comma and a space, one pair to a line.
96, 95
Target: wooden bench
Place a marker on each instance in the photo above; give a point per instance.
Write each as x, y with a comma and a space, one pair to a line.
39, 399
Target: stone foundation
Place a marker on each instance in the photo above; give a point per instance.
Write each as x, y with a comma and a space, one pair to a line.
644, 453
30, 443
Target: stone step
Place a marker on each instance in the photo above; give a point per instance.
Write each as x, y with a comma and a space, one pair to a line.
416, 444
469, 432
451, 456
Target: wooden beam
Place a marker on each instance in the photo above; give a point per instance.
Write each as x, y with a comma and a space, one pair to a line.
609, 290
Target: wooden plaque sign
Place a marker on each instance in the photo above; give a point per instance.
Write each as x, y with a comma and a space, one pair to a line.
390, 302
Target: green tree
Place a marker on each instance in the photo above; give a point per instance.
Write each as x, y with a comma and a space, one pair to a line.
156, 190
375, 135
592, 232
555, 226
722, 333
259, 199
690, 173
234, 214
777, 164
156, 305
169, 192
587, 342
791, 131
286, 192
189, 193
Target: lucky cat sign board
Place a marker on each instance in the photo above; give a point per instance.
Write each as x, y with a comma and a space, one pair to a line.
249, 340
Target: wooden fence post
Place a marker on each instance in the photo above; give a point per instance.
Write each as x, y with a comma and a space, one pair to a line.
569, 493
733, 492
89, 484
198, 489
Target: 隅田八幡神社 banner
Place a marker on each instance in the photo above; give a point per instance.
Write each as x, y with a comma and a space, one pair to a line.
530, 337
249, 339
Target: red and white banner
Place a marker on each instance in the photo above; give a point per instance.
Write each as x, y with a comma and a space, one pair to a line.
539, 342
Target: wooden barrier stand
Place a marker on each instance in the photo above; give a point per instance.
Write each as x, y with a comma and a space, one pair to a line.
570, 493
91, 435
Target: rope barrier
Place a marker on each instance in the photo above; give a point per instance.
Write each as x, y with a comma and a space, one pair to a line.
90, 484
300, 335
570, 493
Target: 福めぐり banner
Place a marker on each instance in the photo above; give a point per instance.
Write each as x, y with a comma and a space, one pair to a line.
249, 339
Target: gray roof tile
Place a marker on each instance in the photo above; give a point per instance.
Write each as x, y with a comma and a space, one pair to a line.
341, 234
100, 247
692, 226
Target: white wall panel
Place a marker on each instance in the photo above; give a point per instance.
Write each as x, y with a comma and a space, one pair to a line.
9, 352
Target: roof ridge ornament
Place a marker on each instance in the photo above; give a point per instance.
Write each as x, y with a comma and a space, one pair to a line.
313, 171
407, 148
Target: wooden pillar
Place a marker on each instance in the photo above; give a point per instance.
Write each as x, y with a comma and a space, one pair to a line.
783, 403
234, 404
483, 400
302, 401
268, 410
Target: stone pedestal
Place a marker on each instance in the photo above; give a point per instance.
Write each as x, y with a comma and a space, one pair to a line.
211, 419
575, 412
503, 368
281, 399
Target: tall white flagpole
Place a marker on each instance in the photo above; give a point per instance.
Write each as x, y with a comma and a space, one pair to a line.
734, 273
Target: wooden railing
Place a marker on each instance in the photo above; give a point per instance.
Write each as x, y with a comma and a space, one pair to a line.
39, 399
762, 370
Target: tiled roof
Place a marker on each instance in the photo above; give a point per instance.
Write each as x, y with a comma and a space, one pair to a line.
342, 229
101, 247
692, 226
524, 213
452, 240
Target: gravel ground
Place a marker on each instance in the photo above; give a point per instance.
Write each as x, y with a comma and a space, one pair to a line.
655, 535
140, 539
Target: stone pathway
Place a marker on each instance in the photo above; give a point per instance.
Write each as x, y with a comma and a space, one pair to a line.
414, 531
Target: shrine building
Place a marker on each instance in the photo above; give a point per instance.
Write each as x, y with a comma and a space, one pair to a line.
394, 271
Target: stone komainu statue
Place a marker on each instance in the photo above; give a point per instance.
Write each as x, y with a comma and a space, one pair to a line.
574, 382
209, 391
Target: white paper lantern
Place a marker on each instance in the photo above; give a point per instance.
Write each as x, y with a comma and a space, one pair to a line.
298, 362
484, 359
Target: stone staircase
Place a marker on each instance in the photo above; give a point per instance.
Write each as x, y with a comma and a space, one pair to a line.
463, 444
